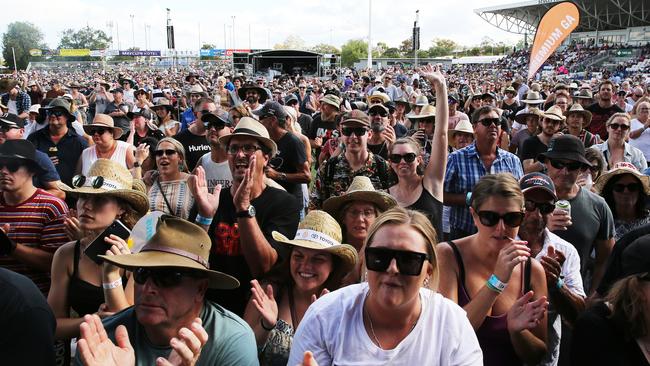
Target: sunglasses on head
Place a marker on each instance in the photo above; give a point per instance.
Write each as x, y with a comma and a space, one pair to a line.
163, 277
168, 152
11, 165
543, 207
357, 131
55, 113
408, 263
487, 122
491, 218
80, 180
378, 113
616, 126
573, 165
631, 187
396, 158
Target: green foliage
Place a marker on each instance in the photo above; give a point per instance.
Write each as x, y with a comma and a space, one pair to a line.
93, 39
208, 46
22, 36
392, 52
325, 48
352, 51
407, 46
442, 47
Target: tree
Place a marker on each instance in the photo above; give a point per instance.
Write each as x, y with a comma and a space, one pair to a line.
208, 46
442, 47
292, 42
325, 48
392, 52
90, 38
352, 51
407, 46
21, 36
380, 48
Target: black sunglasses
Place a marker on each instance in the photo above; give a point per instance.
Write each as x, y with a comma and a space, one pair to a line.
574, 165
216, 125
408, 263
80, 180
168, 152
357, 131
163, 277
616, 126
396, 158
380, 113
545, 208
491, 218
207, 111
631, 187
56, 113
487, 122
99, 130
11, 165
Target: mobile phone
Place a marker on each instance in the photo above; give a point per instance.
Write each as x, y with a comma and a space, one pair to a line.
99, 246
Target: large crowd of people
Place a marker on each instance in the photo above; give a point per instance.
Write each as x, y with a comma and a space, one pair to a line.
460, 216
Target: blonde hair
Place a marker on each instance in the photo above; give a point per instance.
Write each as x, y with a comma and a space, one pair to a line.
501, 185
179, 149
417, 221
618, 115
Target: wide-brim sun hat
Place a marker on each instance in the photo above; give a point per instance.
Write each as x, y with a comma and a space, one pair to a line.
108, 178
249, 126
163, 103
177, 243
320, 231
62, 104
407, 106
103, 121
241, 92
577, 109
379, 96
361, 189
554, 113
332, 100
463, 126
427, 111
622, 168
421, 101
532, 97
567, 147
520, 117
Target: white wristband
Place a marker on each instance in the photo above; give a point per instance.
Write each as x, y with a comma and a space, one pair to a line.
111, 285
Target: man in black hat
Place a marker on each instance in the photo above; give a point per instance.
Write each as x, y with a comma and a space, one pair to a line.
590, 224
253, 95
289, 167
118, 110
215, 162
59, 141
141, 127
304, 120
32, 219
13, 128
383, 134
193, 138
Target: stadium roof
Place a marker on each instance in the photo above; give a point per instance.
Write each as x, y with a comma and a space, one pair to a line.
523, 17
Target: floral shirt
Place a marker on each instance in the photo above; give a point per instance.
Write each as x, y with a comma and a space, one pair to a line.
335, 176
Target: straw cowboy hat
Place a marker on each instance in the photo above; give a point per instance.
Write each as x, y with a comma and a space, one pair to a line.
179, 244
521, 116
621, 168
361, 189
103, 121
421, 101
196, 89
577, 109
163, 103
463, 126
533, 97
108, 178
427, 111
554, 113
320, 231
248, 126
378, 96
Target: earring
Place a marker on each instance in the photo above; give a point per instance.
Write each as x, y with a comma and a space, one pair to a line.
426, 282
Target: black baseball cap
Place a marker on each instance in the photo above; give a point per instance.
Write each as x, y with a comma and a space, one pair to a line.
534, 181
272, 108
12, 120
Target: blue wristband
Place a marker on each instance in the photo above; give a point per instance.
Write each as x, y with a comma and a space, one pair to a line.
495, 284
559, 284
203, 220
468, 199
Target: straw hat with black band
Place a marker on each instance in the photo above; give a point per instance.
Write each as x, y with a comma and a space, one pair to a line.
361, 189
178, 244
555, 113
103, 121
108, 178
533, 97
621, 168
163, 103
577, 109
248, 126
320, 231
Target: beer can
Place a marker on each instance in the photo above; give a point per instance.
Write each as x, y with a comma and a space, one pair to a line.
563, 205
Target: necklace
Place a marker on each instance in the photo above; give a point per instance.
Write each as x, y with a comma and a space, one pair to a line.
372, 328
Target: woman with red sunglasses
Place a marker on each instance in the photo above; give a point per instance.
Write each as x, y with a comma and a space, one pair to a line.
396, 317
490, 275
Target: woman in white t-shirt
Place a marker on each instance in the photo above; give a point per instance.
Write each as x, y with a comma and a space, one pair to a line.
395, 318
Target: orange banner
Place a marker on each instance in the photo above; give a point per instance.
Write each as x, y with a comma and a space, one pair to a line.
555, 26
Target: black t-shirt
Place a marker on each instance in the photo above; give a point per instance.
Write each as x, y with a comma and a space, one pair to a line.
276, 210
599, 340
195, 147
379, 149
324, 129
533, 146
157, 134
304, 120
27, 321
290, 157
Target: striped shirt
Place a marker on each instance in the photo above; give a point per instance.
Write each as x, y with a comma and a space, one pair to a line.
464, 169
178, 195
36, 223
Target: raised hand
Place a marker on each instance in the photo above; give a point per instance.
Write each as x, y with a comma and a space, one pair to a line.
509, 257
242, 198
186, 349
265, 303
322, 293
96, 349
526, 315
433, 75
206, 202
141, 153
552, 263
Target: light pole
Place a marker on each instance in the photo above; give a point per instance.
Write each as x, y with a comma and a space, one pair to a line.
370, 34
132, 30
233, 32
109, 24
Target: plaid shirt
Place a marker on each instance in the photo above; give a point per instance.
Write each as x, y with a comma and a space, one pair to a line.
335, 176
23, 101
464, 169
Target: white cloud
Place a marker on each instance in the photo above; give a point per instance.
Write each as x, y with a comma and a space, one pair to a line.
270, 21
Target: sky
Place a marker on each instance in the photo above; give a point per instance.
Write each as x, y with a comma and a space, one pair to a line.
261, 24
